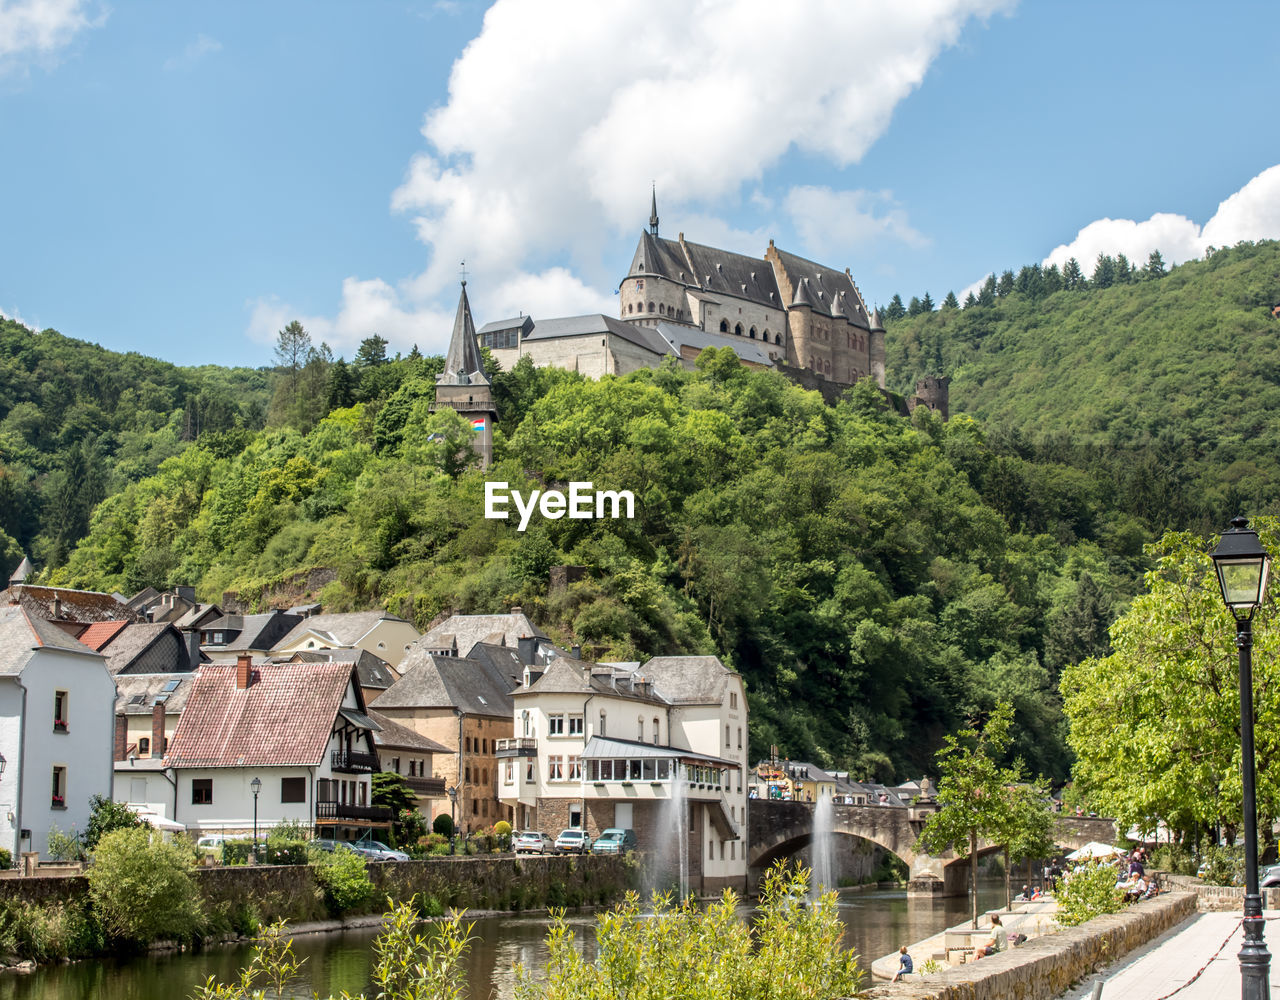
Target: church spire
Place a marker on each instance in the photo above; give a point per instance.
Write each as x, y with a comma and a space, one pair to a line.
462, 365
653, 212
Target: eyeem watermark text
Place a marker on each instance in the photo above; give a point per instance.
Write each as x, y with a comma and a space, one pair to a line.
583, 502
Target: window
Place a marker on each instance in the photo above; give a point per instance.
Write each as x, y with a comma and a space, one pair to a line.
509, 775
475, 807
662, 309
484, 776
59, 798
752, 333
499, 339
466, 775
528, 771
650, 307
711, 850
724, 326
664, 770
575, 817
575, 725
201, 791
737, 329
733, 699
575, 768
555, 768
395, 765
726, 736
732, 851
144, 746
325, 790
640, 729
603, 713
484, 745
655, 730
59, 711
555, 725
739, 737
293, 789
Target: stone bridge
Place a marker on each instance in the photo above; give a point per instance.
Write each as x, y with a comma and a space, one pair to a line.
780, 829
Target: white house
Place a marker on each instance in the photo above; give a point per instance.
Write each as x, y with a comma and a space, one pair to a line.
56, 706
659, 749
298, 729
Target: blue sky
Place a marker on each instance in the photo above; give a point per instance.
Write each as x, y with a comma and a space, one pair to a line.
184, 179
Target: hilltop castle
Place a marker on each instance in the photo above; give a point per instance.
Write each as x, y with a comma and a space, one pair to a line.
781, 311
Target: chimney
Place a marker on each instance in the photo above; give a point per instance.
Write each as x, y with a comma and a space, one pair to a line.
244, 671
188, 594
517, 610
157, 729
57, 607
193, 647
525, 643
576, 651
122, 736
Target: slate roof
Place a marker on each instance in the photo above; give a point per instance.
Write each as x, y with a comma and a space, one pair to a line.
467, 630
372, 670
198, 615
84, 606
148, 647
257, 632
522, 323
504, 659
747, 349
338, 629
99, 634
393, 736
462, 364
829, 291
565, 675
688, 680
22, 635
734, 274
284, 717
655, 255
596, 324
24, 570
473, 686
136, 694
143, 598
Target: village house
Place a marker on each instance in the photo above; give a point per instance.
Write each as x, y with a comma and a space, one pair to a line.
300, 731
457, 634
55, 728
402, 751
226, 639
378, 632
659, 749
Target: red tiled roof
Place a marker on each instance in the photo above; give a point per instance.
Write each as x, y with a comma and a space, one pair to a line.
99, 634
284, 717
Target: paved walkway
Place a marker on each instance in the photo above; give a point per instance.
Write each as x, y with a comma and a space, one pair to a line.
1162, 966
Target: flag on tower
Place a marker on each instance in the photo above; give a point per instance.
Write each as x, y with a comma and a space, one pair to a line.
477, 424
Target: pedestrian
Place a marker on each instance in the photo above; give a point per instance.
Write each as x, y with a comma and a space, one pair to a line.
999, 940
904, 965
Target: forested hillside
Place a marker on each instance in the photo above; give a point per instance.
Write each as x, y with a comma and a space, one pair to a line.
1163, 385
879, 580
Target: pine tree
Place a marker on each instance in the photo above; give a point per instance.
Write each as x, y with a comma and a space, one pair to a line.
987, 295
951, 302
970, 300
1124, 270
1104, 271
1072, 276
1155, 266
914, 307
340, 390
895, 309
926, 303
373, 351
1052, 279
1005, 286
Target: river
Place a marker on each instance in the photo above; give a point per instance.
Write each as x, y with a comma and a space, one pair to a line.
876, 923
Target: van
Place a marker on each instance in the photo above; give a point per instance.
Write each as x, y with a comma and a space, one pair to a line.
615, 841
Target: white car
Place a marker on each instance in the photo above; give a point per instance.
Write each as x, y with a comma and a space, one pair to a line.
573, 841
532, 842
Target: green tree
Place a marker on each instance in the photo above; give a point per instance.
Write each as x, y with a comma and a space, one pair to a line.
951, 302
141, 888
916, 307
372, 352
1104, 272
340, 387
106, 815
895, 309
926, 303
1004, 286
972, 803
1072, 275
987, 294
1155, 268
1029, 833
1124, 270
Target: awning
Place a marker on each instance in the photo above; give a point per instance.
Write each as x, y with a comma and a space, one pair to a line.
154, 820
359, 719
601, 748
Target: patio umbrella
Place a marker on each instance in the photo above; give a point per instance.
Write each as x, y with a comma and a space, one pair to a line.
1094, 849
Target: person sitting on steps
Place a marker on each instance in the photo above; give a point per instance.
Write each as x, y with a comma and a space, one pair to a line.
999, 940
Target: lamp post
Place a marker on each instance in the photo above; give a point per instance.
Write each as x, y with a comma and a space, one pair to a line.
1242, 564
256, 785
453, 823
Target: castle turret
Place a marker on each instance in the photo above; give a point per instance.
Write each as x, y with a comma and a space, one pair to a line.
463, 386
653, 212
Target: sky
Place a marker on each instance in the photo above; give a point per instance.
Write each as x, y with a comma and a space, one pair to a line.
183, 180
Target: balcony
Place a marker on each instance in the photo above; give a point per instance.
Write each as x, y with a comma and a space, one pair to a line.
354, 762
522, 746
335, 812
430, 787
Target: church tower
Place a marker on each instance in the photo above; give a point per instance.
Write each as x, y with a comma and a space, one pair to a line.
463, 386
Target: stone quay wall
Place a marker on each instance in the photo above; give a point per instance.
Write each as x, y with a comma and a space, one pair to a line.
1043, 967
1219, 898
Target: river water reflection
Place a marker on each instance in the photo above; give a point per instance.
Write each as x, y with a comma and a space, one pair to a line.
876, 923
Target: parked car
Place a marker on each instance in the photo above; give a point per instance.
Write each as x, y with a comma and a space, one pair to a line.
573, 841
615, 841
214, 841
325, 844
376, 850
1270, 877
532, 842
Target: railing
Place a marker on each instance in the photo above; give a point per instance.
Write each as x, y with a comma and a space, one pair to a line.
353, 762
426, 786
340, 810
522, 746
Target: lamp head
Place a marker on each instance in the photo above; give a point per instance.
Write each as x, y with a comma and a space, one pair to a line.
1242, 565
256, 785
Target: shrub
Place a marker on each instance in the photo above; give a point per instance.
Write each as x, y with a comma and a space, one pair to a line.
502, 830
1088, 893
443, 824
682, 950
1173, 858
64, 846
141, 889
6, 858
1223, 865
344, 877
49, 931
106, 815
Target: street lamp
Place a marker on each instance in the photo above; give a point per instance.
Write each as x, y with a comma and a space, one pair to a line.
2, 763
453, 827
1242, 563
256, 785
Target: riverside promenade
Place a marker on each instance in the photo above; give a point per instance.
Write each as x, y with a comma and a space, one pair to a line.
1207, 944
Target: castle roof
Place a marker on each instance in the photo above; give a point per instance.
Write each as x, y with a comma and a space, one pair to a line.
877, 324
522, 323
462, 365
824, 288
676, 335
660, 257
733, 274
595, 324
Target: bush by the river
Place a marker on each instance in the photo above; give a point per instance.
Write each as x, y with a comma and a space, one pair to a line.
1088, 893
141, 888
344, 877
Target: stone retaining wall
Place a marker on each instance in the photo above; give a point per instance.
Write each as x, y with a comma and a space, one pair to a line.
1219, 898
1045, 966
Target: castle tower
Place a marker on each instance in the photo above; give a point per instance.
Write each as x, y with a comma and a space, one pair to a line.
653, 212
653, 291
463, 386
877, 348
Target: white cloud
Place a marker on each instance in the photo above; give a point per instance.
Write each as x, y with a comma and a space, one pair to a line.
40, 27
1252, 213
193, 53
560, 114
830, 222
